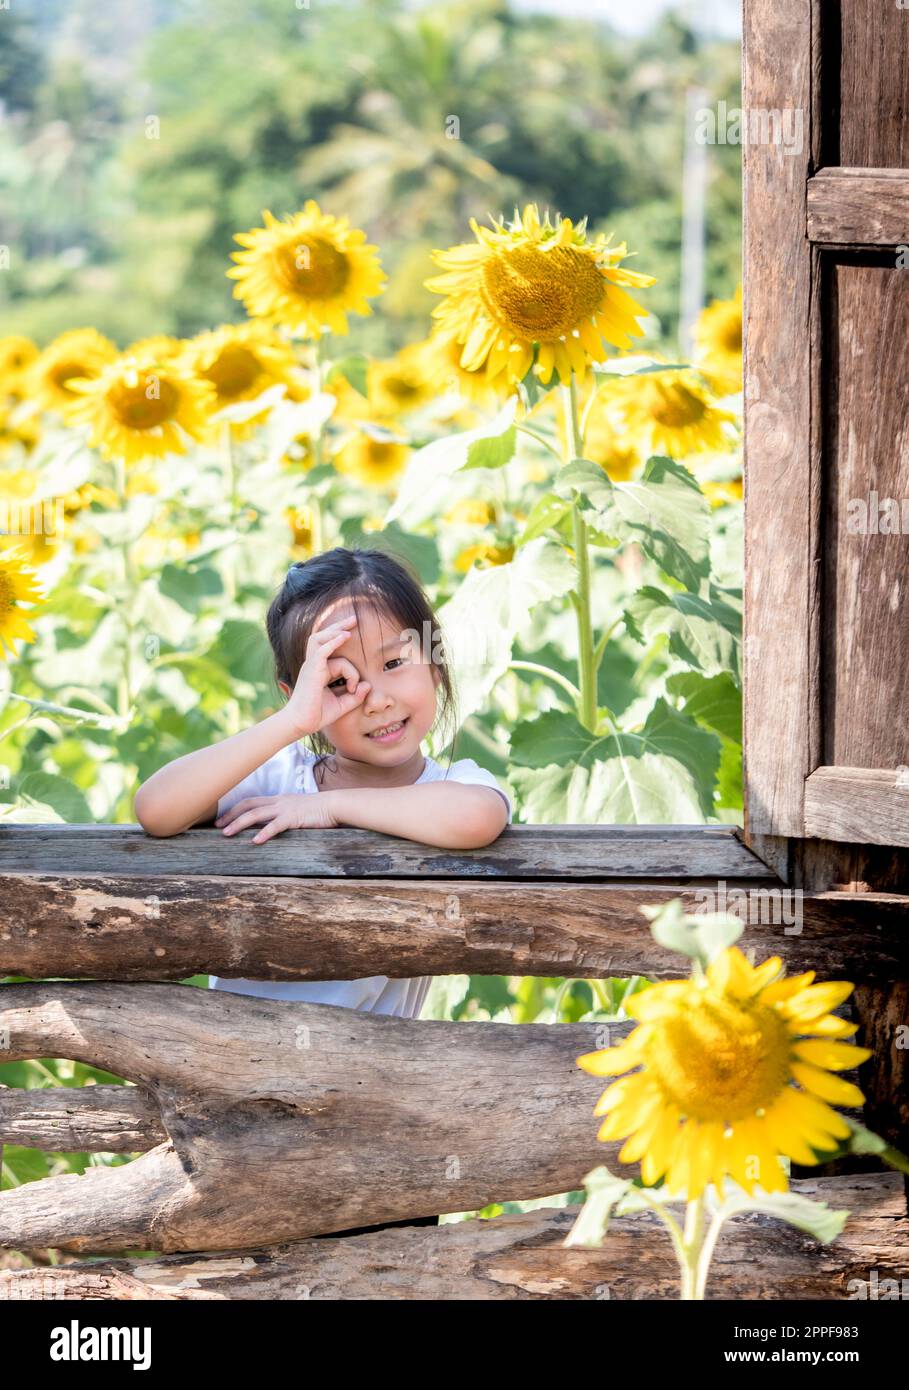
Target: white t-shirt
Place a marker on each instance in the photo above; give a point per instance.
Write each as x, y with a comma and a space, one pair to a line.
291, 771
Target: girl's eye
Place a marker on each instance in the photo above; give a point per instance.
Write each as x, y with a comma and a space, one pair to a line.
340, 680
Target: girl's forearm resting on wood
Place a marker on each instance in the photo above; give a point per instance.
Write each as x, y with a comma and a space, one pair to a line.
450, 815
178, 795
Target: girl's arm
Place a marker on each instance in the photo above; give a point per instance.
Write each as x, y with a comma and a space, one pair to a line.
188, 789
451, 815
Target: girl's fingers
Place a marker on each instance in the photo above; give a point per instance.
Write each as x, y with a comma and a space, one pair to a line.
340, 666
253, 817
274, 829
333, 630
246, 804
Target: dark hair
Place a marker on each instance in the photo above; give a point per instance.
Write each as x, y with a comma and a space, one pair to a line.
384, 581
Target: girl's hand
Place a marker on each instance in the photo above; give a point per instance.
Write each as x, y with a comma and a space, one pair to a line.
294, 811
312, 704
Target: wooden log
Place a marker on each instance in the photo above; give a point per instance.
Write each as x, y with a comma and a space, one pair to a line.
594, 852
286, 1120
170, 928
523, 1257
80, 1119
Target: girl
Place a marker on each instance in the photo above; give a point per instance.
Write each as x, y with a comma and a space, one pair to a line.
342, 630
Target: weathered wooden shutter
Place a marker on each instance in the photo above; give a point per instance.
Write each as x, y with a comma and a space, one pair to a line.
827, 420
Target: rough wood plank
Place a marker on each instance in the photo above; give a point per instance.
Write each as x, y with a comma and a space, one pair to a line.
863, 207
858, 804
874, 83
878, 1008
284, 1121
777, 70
521, 851
866, 634
80, 1119
166, 928
522, 1257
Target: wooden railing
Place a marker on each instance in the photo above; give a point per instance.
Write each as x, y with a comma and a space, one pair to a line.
259, 1122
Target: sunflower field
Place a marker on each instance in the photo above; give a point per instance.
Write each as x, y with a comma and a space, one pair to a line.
571, 503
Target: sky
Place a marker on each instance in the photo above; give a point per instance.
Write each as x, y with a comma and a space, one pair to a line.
715, 16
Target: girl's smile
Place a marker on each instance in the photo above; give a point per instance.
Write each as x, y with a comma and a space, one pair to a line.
394, 732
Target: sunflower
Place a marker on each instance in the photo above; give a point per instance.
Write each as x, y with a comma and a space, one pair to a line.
528, 284
717, 1059
307, 272
16, 354
471, 511
18, 425
141, 407
485, 556
16, 586
666, 413
33, 522
402, 384
441, 353
720, 493
373, 459
159, 345
83, 352
718, 335
301, 523
239, 363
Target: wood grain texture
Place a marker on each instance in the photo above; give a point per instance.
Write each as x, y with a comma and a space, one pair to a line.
520, 1257
874, 84
168, 928
520, 852
858, 804
866, 627
861, 207
80, 1119
877, 1008
777, 70
284, 1121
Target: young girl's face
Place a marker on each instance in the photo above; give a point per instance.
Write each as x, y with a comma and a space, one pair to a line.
402, 687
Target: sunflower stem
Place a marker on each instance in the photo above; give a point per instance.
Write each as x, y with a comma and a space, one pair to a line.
587, 705
706, 1255
693, 1241
525, 429
125, 684
227, 454
668, 1220
545, 671
317, 383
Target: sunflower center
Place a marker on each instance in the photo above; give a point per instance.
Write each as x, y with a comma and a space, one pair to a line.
312, 267
233, 371
541, 295
676, 407
732, 336
152, 401
7, 595
401, 388
720, 1059
62, 372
